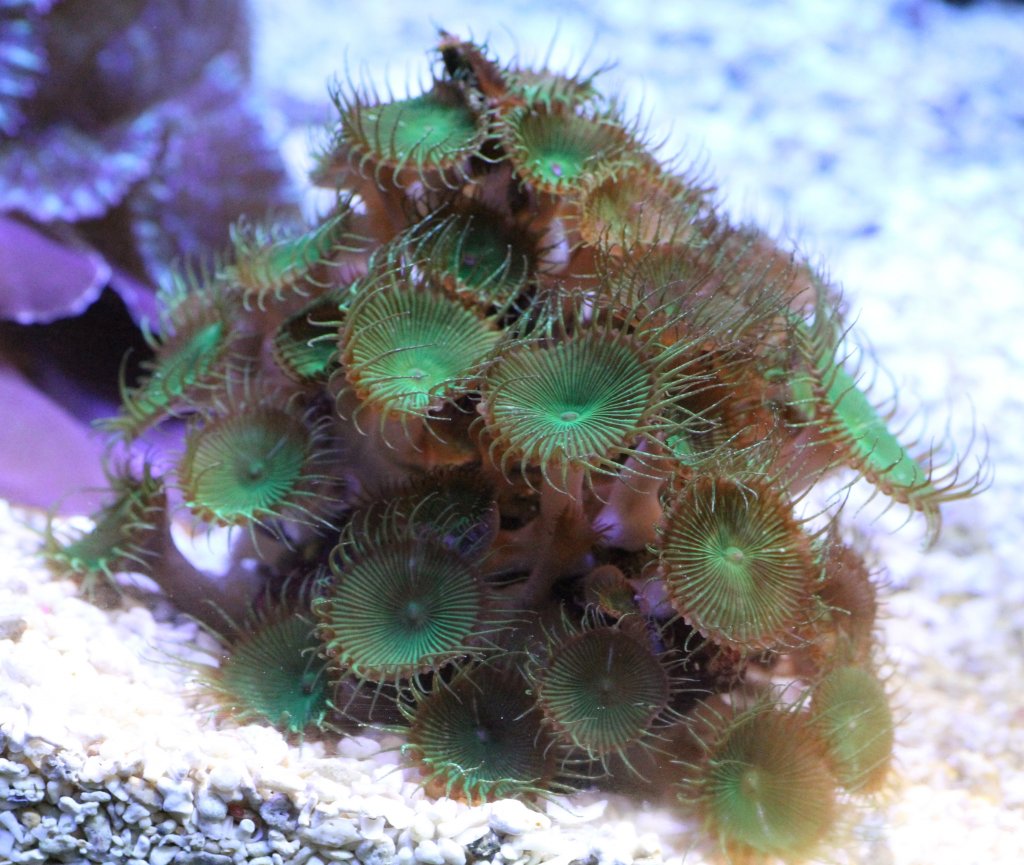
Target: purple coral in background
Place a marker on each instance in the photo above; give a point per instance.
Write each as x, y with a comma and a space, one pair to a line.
128, 143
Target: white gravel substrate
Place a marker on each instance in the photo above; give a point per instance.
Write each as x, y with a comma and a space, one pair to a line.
888, 138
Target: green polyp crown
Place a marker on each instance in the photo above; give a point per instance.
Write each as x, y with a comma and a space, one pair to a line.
245, 467
735, 563
574, 401
636, 209
457, 509
549, 90
401, 607
273, 674
478, 254
767, 789
305, 345
184, 366
269, 262
120, 539
179, 366
477, 250
481, 737
558, 150
422, 130
851, 711
96, 551
603, 688
870, 435
832, 397
404, 348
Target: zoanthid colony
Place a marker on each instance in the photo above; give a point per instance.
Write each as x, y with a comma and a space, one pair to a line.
519, 440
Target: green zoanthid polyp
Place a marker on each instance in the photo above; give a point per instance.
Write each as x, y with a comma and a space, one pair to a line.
525, 424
